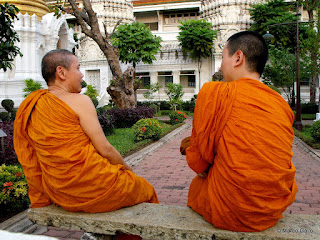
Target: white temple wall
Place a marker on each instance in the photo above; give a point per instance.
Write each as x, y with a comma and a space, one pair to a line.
36, 39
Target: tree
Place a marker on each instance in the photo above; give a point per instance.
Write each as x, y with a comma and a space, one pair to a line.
196, 37
175, 93
136, 43
122, 89
31, 86
8, 37
311, 45
272, 12
152, 89
281, 70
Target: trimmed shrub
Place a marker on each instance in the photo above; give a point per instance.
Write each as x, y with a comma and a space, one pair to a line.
106, 123
309, 108
7, 104
315, 131
128, 117
9, 155
14, 189
147, 128
188, 106
4, 116
177, 117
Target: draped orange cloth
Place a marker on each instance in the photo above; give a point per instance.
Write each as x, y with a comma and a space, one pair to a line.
62, 166
244, 129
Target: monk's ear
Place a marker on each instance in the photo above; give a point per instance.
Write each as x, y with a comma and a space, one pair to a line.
60, 72
239, 58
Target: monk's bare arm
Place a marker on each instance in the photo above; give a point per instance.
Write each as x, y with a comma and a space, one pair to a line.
91, 126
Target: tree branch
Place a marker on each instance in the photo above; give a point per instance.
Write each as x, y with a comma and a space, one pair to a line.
92, 17
115, 27
84, 25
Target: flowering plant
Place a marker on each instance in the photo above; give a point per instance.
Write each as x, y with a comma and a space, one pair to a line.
14, 189
147, 128
177, 117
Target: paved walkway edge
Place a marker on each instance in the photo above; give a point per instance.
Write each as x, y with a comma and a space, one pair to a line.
135, 158
305, 147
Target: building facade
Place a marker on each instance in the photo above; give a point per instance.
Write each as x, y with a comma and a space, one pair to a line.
42, 32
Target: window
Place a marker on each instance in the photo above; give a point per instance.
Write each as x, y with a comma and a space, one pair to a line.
145, 77
188, 78
174, 18
152, 26
164, 78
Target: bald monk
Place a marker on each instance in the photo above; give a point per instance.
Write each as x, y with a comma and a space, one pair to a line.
64, 153
241, 143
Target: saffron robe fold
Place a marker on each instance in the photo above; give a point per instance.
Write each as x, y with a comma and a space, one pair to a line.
244, 129
62, 166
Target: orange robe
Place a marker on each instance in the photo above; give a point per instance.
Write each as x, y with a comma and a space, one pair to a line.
245, 130
62, 166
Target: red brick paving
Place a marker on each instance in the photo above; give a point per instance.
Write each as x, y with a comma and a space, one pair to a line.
166, 169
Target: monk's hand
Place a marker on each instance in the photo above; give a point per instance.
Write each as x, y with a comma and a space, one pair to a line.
203, 175
185, 143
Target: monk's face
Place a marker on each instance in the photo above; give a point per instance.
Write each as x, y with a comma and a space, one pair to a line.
226, 65
74, 76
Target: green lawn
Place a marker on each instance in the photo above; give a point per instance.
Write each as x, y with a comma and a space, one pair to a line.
123, 139
305, 116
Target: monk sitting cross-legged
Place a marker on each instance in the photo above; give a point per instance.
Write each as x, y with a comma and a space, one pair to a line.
241, 144
64, 153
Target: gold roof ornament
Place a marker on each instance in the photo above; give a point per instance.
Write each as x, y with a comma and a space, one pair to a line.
38, 7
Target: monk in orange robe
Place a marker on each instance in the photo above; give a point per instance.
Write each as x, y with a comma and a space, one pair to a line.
241, 144
64, 153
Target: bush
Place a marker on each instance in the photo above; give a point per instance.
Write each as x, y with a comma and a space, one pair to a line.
188, 106
177, 117
4, 116
83, 84
14, 192
9, 155
7, 104
309, 108
107, 123
95, 102
128, 117
102, 110
147, 128
315, 131
31, 86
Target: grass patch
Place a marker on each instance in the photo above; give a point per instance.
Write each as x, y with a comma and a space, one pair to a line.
305, 116
123, 139
305, 135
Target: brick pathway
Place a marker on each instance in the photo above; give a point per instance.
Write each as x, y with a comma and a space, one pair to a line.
166, 169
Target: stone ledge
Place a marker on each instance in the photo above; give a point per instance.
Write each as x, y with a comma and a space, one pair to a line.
156, 221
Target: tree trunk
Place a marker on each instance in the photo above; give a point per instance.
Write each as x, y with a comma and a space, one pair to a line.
122, 91
199, 70
313, 62
123, 95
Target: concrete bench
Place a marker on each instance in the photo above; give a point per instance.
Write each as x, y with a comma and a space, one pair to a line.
164, 222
